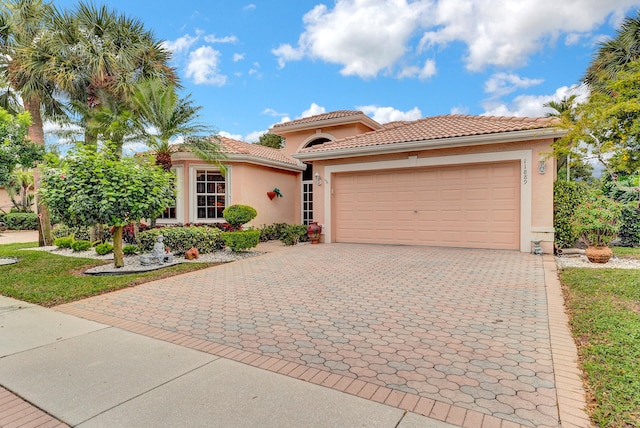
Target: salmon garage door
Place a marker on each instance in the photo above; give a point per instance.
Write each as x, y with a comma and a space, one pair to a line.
473, 206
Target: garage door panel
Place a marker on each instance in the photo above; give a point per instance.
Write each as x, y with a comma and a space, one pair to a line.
468, 206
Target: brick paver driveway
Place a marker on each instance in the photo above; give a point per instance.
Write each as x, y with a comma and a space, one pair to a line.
458, 326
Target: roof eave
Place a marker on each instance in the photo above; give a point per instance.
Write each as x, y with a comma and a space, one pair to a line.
234, 157
441, 143
336, 121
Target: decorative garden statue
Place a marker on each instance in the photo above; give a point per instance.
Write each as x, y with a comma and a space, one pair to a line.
158, 255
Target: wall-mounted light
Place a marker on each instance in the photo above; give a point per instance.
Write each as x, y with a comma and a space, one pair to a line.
542, 166
318, 179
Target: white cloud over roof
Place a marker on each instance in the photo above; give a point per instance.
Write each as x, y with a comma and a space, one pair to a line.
368, 37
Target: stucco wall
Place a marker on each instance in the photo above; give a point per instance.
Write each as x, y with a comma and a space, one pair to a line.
247, 184
5, 202
295, 140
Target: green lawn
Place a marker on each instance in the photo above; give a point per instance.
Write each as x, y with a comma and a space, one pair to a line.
49, 279
626, 252
604, 307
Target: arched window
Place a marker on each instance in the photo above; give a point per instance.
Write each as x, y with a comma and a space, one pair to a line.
317, 142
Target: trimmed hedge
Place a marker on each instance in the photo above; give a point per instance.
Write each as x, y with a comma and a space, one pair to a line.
237, 215
241, 240
629, 233
567, 195
293, 233
180, 239
63, 241
21, 221
81, 245
102, 249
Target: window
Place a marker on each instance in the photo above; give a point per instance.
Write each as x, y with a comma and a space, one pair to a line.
169, 214
307, 194
172, 214
211, 190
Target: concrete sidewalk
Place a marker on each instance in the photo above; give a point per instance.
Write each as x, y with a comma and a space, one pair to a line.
89, 374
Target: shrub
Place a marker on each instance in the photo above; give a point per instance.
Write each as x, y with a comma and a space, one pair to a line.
21, 221
103, 249
63, 242
629, 233
80, 245
130, 250
237, 215
597, 221
272, 232
128, 232
293, 233
241, 240
79, 232
567, 196
180, 239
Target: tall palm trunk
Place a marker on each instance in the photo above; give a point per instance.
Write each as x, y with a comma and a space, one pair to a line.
36, 134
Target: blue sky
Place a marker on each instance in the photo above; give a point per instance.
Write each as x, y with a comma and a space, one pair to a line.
252, 64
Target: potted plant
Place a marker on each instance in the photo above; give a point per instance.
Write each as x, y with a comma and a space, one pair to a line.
597, 221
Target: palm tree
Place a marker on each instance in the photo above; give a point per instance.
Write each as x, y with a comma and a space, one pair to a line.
164, 116
94, 54
615, 54
22, 24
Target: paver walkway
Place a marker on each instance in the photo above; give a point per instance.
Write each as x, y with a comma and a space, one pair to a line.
457, 327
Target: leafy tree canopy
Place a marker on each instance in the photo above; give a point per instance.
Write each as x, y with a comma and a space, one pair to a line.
94, 187
271, 140
15, 148
607, 126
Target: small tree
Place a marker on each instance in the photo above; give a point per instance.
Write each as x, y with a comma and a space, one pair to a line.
237, 215
91, 188
271, 140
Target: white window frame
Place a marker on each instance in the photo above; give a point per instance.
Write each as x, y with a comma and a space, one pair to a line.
178, 170
193, 200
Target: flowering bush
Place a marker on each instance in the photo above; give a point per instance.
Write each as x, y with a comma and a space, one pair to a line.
597, 221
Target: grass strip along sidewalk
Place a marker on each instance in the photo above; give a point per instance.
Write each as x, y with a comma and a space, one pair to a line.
604, 310
48, 279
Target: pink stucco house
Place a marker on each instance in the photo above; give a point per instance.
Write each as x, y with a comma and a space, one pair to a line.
453, 180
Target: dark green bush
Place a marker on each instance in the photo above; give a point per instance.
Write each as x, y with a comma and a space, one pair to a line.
293, 233
63, 242
81, 245
629, 233
567, 195
272, 232
130, 250
241, 240
79, 232
237, 215
180, 239
21, 221
103, 249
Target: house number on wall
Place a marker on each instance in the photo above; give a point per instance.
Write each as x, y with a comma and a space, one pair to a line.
524, 172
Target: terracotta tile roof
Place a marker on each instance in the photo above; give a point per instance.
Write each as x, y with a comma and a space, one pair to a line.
232, 147
435, 128
319, 117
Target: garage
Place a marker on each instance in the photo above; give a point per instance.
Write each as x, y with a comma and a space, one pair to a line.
473, 206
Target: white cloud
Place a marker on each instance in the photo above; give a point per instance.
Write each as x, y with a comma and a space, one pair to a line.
390, 114
229, 135
314, 109
180, 44
363, 36
501, 84
272, 112
506, 32
248, 7
460, 110
238, 57
368, 37
211, 38
254, 137
203, 67
533, 105
428, 70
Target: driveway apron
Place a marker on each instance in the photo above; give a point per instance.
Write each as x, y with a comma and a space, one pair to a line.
464, 327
